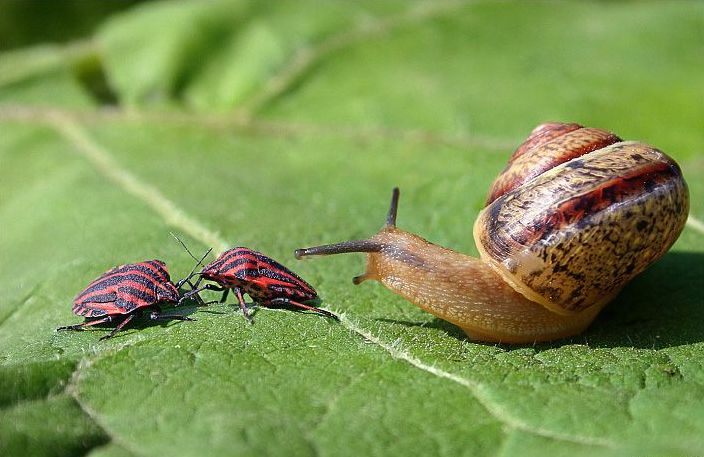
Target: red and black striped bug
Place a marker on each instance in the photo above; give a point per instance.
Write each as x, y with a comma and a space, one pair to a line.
266, 281
124, 292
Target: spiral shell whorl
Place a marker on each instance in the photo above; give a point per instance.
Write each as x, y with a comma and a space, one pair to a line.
548, 146
575, 234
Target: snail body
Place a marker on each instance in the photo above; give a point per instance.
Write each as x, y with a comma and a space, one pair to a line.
576, 214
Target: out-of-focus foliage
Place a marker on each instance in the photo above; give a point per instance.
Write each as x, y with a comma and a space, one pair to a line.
27, 22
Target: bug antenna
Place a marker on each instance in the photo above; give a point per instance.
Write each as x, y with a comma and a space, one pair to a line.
188, 250
193, 271
199, 262
393, 208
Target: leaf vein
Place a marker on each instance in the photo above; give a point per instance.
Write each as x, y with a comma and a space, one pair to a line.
479, 391
102, 160
228, 123
72, 390
306, 58
695, 224
23, 301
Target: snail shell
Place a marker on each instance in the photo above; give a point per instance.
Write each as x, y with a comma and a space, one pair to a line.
577, 213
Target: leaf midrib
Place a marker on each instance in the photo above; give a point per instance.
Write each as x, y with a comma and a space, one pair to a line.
80, 139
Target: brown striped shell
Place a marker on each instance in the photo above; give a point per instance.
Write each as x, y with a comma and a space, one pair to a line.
577, 213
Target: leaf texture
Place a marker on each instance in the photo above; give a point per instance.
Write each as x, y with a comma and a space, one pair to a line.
279, 125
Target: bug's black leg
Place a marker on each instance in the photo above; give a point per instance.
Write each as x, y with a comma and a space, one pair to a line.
198, 298
195, 286
195, 292
185, 281
82, 325
224, 295
77, 327
288, 301
155, 316
243, 306
118, 328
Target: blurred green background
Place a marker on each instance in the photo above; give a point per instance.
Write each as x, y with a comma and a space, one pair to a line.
25, 23
278, 125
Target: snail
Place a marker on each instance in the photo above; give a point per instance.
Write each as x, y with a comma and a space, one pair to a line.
575, 215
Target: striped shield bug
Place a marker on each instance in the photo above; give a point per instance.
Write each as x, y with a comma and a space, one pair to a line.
266, 281
123, 292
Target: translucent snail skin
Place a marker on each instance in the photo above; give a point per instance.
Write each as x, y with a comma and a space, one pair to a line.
576, 214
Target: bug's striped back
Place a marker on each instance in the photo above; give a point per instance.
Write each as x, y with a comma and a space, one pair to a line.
262, 277
126, 288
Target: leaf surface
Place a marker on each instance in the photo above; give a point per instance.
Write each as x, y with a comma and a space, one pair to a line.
268, 126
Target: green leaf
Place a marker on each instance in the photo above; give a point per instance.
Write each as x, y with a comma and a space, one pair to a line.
308, 113
55, 426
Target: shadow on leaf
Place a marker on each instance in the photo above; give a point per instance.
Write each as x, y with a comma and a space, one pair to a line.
436, 323
663, 307
142, 321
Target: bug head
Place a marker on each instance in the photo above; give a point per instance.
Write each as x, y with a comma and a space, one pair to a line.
209, 272
167, 292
